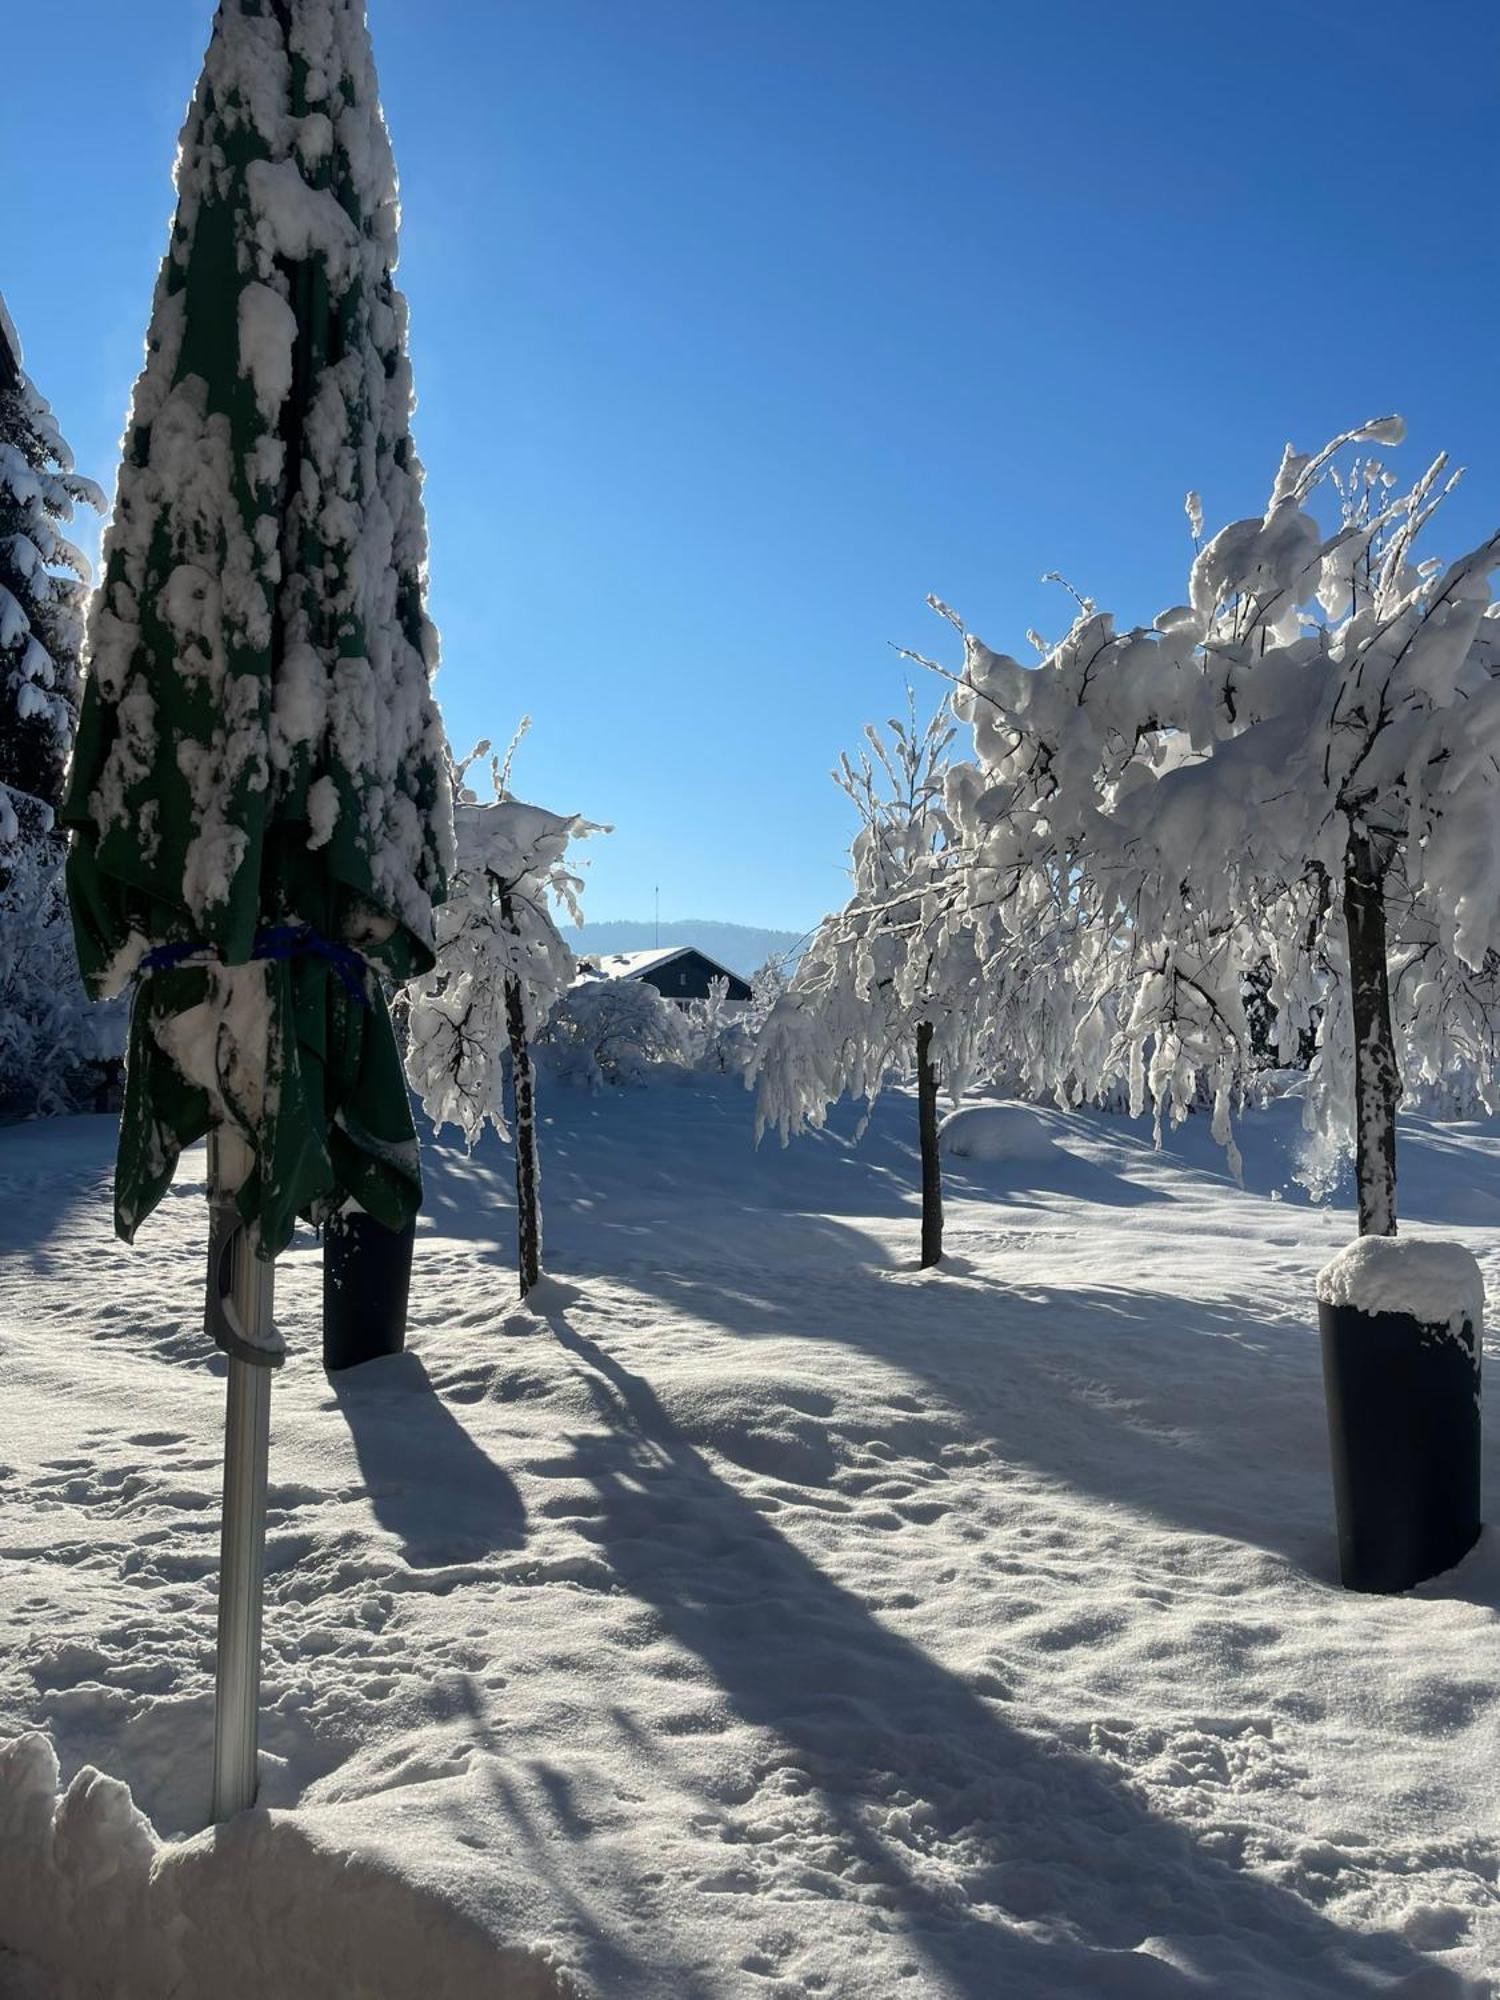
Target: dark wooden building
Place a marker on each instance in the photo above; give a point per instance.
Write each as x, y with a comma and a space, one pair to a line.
678, 972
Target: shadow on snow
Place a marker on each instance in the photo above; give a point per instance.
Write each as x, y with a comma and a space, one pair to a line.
875, 1723
428, 1483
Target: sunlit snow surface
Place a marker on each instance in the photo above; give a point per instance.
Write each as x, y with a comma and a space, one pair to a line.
755, 1617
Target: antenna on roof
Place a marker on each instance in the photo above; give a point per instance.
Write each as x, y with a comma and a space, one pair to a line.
658, 915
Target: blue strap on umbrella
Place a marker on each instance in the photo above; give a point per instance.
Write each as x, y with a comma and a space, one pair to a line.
293, 940
280, 941
167, 957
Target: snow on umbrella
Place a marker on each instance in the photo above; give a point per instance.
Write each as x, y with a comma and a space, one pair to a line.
260, 812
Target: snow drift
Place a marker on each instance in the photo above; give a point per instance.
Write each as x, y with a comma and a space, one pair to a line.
97, 1903
994, 1132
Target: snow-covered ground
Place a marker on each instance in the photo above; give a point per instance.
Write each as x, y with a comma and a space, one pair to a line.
753, 1617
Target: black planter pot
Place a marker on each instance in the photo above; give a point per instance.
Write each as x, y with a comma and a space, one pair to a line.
1403, 1431
366, 1285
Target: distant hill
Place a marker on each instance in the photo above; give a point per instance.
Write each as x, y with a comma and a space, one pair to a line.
741, 947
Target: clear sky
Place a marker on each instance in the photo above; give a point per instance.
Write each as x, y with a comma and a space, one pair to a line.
740, 325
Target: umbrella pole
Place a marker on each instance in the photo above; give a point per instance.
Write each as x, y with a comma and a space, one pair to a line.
242, 1548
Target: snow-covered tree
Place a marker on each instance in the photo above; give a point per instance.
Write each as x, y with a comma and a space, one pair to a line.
614, 1032
55, 1049
886, 983
767, 984
50, 1049
1287, 785
720, 1031
42, 582
502, 966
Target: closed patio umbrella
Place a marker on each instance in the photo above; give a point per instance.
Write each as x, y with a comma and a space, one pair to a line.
260, 824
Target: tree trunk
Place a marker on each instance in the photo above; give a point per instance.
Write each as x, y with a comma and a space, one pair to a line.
523, 1120
932, 1166
1377, 1078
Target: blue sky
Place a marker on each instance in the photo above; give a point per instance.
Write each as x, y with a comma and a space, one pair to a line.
739, 327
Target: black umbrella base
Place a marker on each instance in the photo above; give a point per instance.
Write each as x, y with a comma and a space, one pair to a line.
366, 1287
1403, 1432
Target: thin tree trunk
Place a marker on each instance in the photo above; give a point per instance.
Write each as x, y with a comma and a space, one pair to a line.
523, 1118
932, 1166
1377, 1077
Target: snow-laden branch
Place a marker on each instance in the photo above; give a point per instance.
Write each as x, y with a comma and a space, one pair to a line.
498, 948
888, 963
1170, 810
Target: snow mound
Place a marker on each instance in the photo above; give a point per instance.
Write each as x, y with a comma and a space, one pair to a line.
778, 1429
1438, 1283
996, 1132
91, 1896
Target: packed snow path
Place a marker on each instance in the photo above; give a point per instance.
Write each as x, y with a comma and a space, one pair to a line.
753, 1617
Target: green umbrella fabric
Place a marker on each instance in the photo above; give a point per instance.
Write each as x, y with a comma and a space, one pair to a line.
261, 820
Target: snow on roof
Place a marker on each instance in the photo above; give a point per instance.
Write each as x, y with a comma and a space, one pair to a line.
632, 964
636, 964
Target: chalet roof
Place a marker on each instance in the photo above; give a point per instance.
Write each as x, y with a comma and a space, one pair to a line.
636, 964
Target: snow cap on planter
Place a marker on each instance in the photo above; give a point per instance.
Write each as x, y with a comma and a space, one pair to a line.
261, 820
1400, 1324
1438, 1284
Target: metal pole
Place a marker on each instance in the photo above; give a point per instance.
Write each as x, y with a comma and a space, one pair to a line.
242, 1547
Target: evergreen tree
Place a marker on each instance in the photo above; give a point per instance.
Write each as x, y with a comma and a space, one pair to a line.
42, 581
53, 1055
